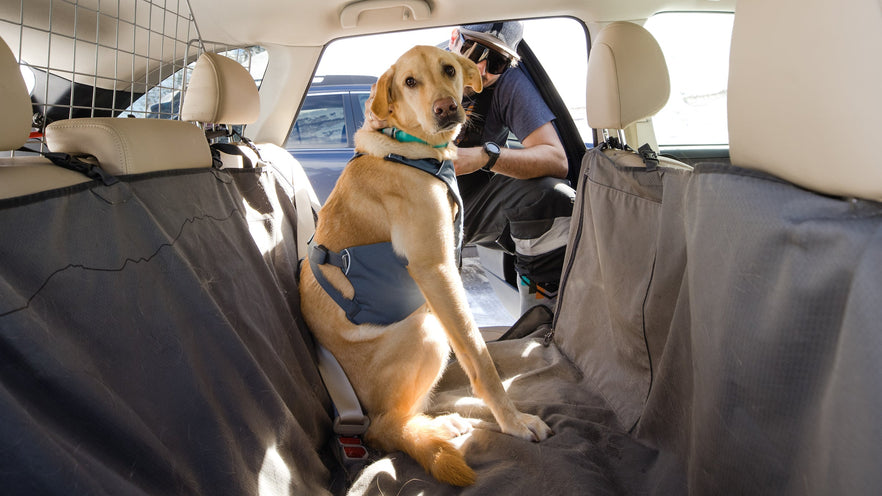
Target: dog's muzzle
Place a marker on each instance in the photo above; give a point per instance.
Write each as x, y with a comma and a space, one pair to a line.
447, 113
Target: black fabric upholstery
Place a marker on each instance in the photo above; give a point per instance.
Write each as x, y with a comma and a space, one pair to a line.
148, 346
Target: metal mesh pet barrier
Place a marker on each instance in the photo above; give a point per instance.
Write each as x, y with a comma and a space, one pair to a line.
102, 58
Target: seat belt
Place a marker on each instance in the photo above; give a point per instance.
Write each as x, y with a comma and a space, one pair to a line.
350, 422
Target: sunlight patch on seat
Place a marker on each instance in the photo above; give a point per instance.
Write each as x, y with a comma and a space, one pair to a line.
507, 382
469, 401
384, 466
529, 347
275, 476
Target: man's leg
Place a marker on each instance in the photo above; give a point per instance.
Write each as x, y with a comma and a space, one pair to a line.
528, 218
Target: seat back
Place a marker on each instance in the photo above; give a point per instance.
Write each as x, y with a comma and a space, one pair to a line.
221, 91
770, 369
612, 256
152, 323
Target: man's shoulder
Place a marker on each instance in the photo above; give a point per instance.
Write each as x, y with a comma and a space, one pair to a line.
515, 80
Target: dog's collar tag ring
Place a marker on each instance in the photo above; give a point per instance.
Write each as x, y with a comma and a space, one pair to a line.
404, 137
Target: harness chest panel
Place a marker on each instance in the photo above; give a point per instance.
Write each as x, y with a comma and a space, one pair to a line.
385, 292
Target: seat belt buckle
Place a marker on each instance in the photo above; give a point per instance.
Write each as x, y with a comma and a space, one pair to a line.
354, 425
351, 450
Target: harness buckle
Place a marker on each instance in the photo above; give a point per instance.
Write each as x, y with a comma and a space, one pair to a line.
318, 253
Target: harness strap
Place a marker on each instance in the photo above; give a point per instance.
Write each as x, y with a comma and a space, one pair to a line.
320, 255
446, 173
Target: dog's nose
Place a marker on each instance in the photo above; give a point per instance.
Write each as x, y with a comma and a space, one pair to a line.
445, 108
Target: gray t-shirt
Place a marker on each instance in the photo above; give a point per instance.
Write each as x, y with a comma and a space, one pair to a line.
515, 104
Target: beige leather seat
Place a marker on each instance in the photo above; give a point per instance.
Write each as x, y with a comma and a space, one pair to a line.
221, 91
23, 174
627, 82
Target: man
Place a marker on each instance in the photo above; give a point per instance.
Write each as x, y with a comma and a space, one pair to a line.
518, 201
515, 199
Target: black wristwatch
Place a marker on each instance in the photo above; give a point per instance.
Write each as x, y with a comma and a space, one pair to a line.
492, 150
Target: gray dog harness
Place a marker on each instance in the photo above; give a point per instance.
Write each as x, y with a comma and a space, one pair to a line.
385, 292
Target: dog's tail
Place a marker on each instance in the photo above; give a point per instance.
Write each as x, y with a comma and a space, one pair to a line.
426, 443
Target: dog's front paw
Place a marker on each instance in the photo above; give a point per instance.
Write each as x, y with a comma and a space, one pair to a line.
529, 427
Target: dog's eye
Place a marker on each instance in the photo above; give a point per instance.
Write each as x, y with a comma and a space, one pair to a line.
410, 82
449, 70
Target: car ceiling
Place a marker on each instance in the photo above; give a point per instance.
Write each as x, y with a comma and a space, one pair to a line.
312, 23
303, 24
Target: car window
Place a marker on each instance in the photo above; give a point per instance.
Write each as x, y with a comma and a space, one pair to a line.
696, 49
321, 123
559, 43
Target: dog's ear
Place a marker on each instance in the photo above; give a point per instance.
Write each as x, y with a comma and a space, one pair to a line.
382, 104
471, 76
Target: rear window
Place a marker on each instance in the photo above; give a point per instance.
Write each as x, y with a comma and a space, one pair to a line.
163, 101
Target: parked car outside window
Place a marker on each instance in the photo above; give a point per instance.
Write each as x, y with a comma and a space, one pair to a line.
321, 138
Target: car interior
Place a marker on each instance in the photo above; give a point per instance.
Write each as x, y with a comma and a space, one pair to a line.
716, 332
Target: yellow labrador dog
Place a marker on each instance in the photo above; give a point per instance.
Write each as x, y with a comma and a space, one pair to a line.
387, 234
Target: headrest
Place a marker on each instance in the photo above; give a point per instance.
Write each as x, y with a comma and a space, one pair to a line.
804, 97
220, 91
15, 125
131, 146
627, 77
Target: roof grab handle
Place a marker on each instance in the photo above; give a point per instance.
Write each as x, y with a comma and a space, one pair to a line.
416, 10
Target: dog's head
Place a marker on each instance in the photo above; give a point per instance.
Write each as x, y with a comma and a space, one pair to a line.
421, 93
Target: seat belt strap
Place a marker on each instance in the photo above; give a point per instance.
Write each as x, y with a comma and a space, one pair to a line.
350, 422
350, 419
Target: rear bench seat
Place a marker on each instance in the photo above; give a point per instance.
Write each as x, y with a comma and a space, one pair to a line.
150, 346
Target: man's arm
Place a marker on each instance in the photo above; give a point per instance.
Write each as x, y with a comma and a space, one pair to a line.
542, 155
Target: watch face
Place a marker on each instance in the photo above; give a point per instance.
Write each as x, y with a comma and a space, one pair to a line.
492, 147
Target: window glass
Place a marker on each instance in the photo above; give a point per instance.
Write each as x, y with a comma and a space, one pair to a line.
320, 124
559, 43
163, 101
696, 49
